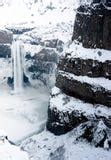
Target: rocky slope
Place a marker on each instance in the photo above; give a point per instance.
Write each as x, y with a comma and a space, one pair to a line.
83, 77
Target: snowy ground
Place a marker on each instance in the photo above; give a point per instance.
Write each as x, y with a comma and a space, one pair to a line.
42, 13
11, 152
46, 146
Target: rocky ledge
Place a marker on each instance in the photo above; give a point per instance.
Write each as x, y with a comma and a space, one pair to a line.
82, 96
91, 90
86, 67
66, 113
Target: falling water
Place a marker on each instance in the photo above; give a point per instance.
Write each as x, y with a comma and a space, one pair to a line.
18, 57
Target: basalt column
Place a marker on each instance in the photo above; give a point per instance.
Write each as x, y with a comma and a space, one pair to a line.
83, 83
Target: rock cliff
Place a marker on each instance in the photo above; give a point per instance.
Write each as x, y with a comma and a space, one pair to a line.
82, 95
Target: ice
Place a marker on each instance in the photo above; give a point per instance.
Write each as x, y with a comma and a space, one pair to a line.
23, 114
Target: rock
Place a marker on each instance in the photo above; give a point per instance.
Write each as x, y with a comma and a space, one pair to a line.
85, 67
10, 81
93, 132
66, 113
19, 29
62, 122
26, 79
6, 37
60, 46
75, 100
46, 55
5, 51
43, 65
50, 43
84, 91
93, 27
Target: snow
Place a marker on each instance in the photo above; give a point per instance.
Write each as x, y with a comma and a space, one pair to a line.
63, 147
11, 152
97, 82
42, 12
2, 133
58, 101
23, 114
78, 51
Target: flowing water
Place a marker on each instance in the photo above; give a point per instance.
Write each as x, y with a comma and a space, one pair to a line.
18, 65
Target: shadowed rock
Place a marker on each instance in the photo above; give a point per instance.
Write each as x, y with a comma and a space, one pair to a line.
93, 27
6, 37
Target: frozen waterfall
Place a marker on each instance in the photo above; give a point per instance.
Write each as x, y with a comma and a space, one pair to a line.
18, 65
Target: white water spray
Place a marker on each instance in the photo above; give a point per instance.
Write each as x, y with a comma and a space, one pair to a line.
18, 65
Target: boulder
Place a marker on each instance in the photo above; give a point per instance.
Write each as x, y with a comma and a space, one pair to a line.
94, 132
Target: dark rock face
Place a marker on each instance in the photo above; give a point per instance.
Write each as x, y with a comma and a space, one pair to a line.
43, 62
62, 122
86, 67
6, 37
10, 80
47, 55
89, 126
93, 133
42, 65
5, 51
25, 79
93, 27
84, 91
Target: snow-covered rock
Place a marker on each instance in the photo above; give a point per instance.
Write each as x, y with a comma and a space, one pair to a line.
66, 113
48, 146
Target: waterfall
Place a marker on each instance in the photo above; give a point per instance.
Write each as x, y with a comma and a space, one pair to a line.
18, 58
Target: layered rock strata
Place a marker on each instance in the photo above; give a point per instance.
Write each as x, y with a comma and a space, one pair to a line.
83, 83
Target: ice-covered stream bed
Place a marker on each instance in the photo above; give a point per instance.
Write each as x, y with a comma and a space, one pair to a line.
23, 114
